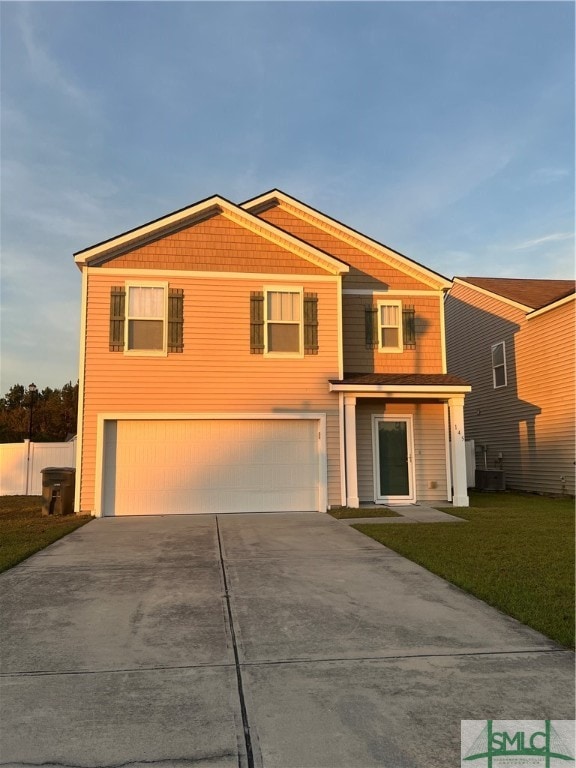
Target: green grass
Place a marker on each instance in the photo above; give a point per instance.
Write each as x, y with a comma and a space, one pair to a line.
341, 513
516, 552
24, 530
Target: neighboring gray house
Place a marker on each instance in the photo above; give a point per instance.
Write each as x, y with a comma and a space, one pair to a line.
513, 340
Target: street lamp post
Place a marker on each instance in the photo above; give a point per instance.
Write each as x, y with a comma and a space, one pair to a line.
32, 390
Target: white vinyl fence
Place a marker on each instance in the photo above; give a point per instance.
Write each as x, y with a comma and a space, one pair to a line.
21, 465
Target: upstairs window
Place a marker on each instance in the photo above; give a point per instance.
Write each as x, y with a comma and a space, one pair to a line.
146, 319
499, 374
283, 320
390, 326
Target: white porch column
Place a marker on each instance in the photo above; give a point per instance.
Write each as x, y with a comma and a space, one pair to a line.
352, 499
458, 452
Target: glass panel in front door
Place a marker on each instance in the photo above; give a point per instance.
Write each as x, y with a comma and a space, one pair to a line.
393, 458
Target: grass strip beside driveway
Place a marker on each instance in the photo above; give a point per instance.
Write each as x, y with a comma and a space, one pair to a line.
346, 513
516, 553
24, 530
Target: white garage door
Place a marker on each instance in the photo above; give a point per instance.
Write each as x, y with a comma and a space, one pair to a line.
199, 466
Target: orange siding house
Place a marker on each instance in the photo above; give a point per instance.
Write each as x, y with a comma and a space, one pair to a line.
513, 339
262, 357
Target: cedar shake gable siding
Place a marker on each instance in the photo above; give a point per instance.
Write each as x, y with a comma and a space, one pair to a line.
304, 212
215, 245
184, 218
365, 270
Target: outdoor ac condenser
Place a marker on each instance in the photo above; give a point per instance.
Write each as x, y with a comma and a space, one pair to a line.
490, 480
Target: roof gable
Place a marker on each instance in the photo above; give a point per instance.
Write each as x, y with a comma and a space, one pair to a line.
524, 293
186, 218
346, 235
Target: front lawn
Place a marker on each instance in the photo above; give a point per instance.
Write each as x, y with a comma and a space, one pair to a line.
24, 530
516, 553
345, 513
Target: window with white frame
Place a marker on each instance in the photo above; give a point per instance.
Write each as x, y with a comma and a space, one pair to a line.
146, 327
283, 320
390, 326
499, 374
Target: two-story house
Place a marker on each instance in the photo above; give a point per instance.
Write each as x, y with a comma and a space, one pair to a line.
513, 340
262, 357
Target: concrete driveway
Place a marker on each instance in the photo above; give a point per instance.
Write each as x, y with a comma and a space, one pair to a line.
284, 641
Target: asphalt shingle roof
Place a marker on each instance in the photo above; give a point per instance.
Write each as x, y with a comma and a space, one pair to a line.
532, 293
403, 379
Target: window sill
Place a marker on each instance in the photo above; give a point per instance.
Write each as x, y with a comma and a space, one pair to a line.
145, 353
284, 355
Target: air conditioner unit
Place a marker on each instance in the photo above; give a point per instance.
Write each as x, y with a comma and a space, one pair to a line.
490, 480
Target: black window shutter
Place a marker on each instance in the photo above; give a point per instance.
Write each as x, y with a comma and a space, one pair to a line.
257, 323
117, 313
175, 320
310, 323
409, 327
371, 326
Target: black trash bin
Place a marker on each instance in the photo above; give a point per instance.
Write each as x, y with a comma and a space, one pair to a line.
58, 490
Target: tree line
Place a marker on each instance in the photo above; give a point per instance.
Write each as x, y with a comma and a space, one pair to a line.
50, 413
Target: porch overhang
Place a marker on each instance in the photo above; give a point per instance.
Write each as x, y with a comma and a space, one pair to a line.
441, 386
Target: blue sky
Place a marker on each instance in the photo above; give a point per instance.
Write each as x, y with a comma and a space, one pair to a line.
443, 129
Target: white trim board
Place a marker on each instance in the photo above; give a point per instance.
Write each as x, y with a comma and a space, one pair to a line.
549, 307
81, 379
395, 390
392, 292
189, 273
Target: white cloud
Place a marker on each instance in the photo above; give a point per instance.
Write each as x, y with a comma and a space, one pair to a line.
435, 181
549, 175
46, 68
554, 237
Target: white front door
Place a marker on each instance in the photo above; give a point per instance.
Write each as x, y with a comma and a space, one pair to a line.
393, 446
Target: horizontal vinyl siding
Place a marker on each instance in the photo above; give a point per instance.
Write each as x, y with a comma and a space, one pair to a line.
545, 372
530, 422
366, 271
425, 358
215, 245
474, 322
215, 373
429, 446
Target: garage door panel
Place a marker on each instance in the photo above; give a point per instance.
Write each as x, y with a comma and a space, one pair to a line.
211, 466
